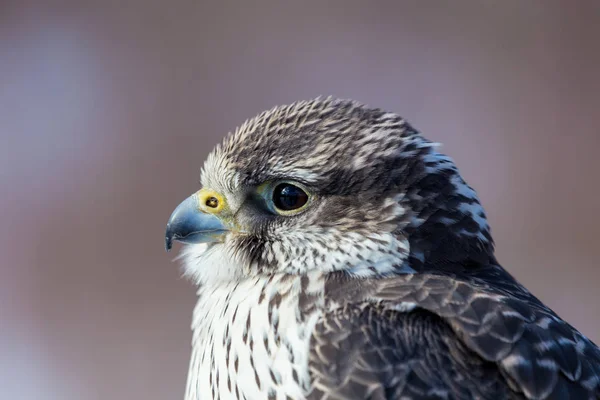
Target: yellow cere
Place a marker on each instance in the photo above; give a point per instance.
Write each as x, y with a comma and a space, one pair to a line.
210, 201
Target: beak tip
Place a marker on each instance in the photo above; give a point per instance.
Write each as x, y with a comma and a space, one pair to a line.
168, 240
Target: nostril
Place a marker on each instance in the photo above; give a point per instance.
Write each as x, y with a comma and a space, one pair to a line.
212, 202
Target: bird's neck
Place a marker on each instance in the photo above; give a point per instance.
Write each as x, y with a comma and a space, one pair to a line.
254, 335
448, 225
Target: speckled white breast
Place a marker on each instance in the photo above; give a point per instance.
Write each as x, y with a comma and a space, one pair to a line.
251, 341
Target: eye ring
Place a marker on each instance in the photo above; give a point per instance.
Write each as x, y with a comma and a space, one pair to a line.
289, 198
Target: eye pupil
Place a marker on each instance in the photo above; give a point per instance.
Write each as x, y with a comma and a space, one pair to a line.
287, 197
212, 202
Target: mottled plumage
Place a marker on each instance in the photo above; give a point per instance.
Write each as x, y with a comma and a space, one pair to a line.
383, 286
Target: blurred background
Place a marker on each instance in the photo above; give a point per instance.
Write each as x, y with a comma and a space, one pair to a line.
108, 109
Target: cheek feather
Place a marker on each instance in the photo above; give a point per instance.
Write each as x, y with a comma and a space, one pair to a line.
329, 250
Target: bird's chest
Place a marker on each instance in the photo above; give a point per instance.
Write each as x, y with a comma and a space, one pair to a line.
250, 341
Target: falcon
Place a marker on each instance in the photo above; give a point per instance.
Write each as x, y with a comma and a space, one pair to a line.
339, 255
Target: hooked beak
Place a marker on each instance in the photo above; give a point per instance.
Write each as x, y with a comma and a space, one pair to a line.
189, 224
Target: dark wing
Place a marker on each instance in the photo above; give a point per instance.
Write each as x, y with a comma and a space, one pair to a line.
369, 352
478, 337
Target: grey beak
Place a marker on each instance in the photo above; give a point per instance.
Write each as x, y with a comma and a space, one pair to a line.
188, 224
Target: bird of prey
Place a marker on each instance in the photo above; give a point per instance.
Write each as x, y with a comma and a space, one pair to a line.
339, 255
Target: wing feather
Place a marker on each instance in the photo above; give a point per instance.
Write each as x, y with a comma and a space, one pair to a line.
479, 336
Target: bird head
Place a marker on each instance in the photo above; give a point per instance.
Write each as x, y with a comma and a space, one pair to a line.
326, 185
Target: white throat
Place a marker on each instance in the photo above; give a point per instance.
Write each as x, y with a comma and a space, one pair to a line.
251, 339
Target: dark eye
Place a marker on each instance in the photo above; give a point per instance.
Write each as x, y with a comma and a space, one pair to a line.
287, 197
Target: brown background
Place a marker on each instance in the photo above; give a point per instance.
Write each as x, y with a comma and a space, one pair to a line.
108, 108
